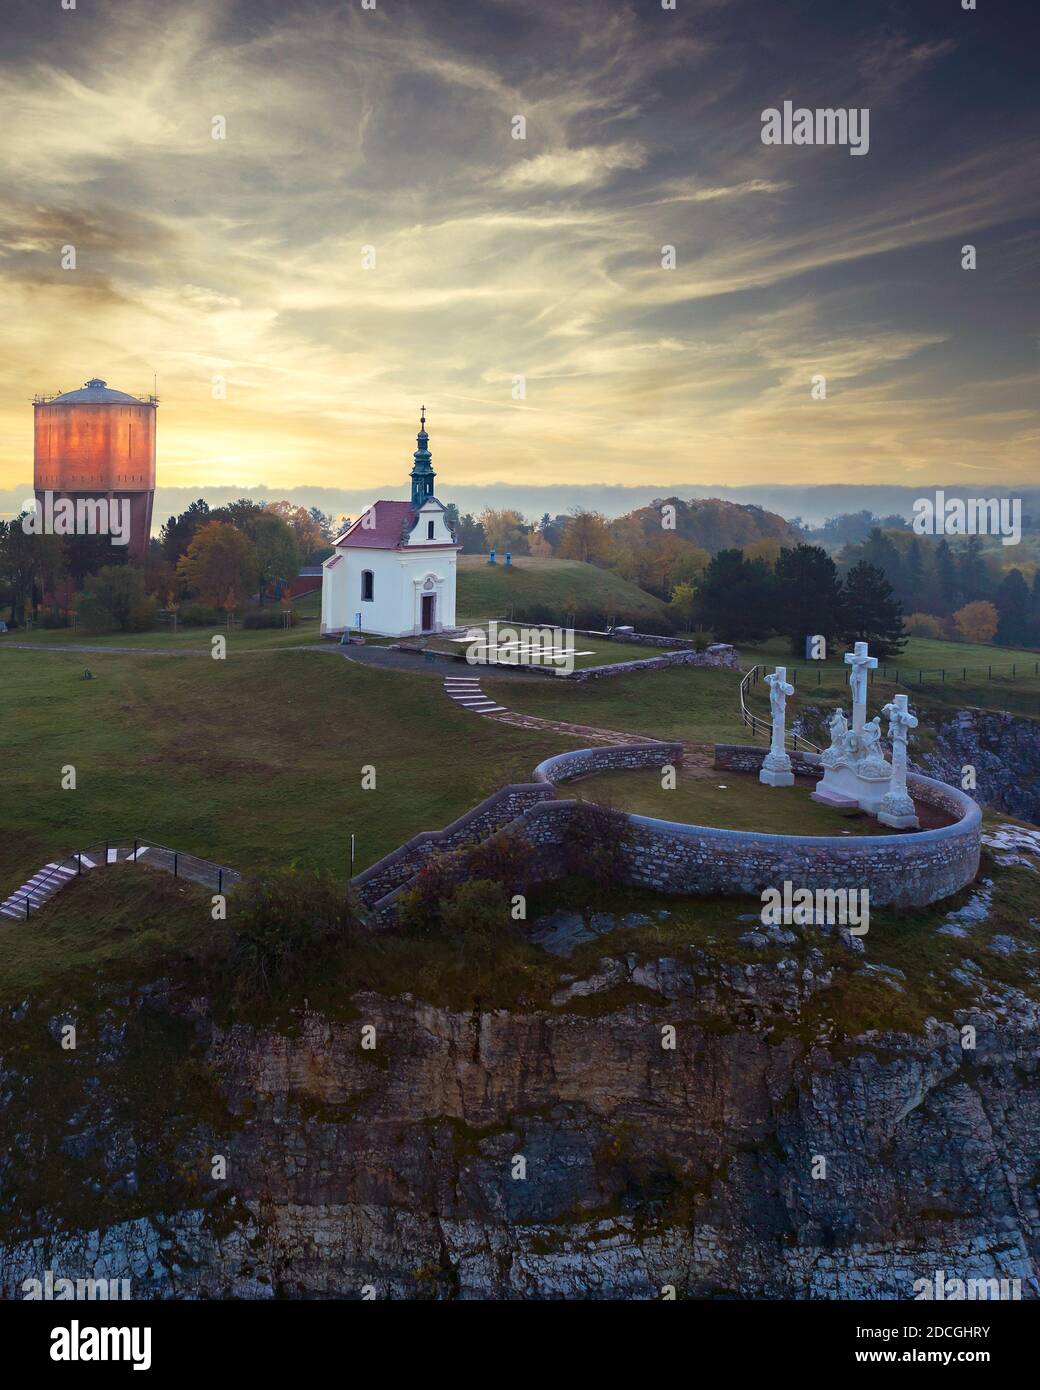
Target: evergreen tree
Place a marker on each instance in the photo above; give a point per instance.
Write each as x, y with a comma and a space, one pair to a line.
734, 597
948, 590
1012, 602
972, 572
881, 552
913, 594
870, 611
808, 595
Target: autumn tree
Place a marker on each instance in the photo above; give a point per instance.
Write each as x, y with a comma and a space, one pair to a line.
301, 523
221, 560
977, 622
587, 537
505, 530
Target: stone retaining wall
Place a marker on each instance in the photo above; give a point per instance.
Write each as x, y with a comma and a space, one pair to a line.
565, 767
398, 868
905, 870
745, 757
639, 639
721, 655
902, 870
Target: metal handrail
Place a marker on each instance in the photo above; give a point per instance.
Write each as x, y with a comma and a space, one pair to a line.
121, 842
764, 726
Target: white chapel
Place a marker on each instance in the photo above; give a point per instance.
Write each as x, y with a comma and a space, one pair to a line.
392, 572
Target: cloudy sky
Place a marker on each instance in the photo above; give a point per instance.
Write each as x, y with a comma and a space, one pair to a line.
495, 257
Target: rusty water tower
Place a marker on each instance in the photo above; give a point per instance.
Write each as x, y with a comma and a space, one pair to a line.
96, 443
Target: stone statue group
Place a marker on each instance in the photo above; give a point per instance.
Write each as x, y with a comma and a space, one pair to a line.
856, 773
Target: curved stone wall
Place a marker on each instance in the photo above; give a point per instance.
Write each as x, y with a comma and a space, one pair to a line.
580, 762
910, 869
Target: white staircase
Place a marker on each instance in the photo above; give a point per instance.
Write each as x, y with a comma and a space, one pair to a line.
466, 691
41, 886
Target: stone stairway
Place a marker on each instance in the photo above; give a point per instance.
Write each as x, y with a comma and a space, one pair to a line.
466, 691
698, 758
44, 884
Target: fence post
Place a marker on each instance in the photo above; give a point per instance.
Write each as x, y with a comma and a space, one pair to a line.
964, 674
135, 849
220, 880
1013, 671
79, 861
175, 863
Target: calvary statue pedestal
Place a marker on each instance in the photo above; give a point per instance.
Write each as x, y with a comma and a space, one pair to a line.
856, 774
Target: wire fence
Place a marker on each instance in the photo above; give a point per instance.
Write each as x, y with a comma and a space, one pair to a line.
764, 727
127, 849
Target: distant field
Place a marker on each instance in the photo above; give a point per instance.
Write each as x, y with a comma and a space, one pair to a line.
488, 591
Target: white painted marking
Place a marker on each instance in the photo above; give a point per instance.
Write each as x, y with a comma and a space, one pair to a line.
87, 863
113, 855
137, 853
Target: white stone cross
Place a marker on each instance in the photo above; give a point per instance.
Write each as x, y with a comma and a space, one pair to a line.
779, 689
897, 808
861, 663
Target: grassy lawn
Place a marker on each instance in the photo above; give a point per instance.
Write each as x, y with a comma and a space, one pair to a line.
729, 800
248, 762
488, 591
682, 702
131, 921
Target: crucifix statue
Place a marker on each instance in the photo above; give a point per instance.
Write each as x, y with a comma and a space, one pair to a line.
776, 767
897, 808
861, 663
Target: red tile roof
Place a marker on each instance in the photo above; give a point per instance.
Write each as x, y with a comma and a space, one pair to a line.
384, 522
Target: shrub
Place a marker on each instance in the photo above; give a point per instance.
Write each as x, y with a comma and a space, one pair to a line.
267, 617
114, 600
594, 842
976, 622
503, 861
479, 908
199, 615
925, 625
283, 925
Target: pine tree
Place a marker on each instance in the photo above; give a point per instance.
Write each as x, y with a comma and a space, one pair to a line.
1012, 602
949, 595
871, 613
734, 598
808, 595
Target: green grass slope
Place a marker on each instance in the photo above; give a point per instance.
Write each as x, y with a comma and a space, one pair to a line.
562, 586
254, 761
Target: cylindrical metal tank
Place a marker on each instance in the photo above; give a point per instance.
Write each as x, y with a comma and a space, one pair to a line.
95, 443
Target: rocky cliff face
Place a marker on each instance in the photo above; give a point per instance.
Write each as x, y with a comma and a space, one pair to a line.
559, 1152
1003, 750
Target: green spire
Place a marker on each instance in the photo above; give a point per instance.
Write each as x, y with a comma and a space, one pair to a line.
422, 467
